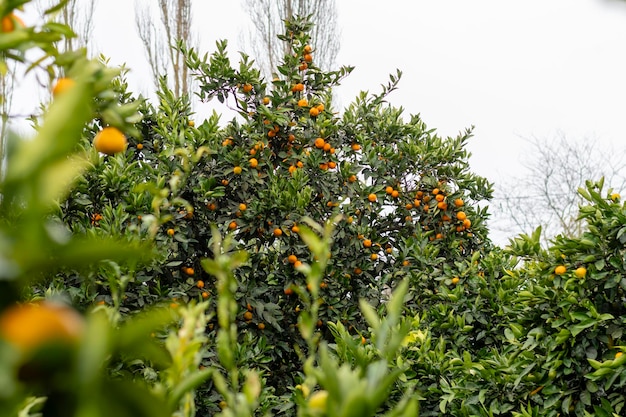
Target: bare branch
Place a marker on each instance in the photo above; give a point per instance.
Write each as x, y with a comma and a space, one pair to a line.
267, 18
160, 41
547, 193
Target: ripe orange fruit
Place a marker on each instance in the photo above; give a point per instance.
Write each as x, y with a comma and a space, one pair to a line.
232, 225
455, 280
618, 354
303, 66
261, 326
389, 189
266, 100
237, 170
374, 256
406, 263
324, 166
352, 178
295, 228
110, 141
243, 207
458, 202
467, 223
224, 182
308, 57
367, 243
200, 284
292, 169
170, 232
303, 102
372, 198
580, 272
395, 193
277, 232
298, 87
442, 205
139, 146
355, 147
358, 271
211, 206
461, 215
319, 143
320, 107
308, 49
297, 264
292, 259
288, 290
253, 162
560, 270
205, 295
62, 85
189, 271
332, 165
10, 21
327, 147
247, 315
314, 111
439, 197
247, 88
30, 326
436, 191
191, 123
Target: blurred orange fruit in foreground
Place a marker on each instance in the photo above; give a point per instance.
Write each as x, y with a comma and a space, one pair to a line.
10, 21
29, 326
62, 85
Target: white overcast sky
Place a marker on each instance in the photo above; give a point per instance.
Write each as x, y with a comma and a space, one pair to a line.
512, 69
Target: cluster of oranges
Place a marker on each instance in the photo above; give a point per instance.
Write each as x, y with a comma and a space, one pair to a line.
437, 211
307, 58
436, 202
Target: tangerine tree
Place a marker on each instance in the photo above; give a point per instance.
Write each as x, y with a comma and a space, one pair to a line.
406, 197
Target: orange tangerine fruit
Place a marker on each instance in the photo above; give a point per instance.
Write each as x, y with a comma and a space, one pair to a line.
30, 326
110, 140
62, 85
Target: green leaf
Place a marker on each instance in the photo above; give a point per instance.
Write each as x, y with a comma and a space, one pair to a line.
577, 328
188, 384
